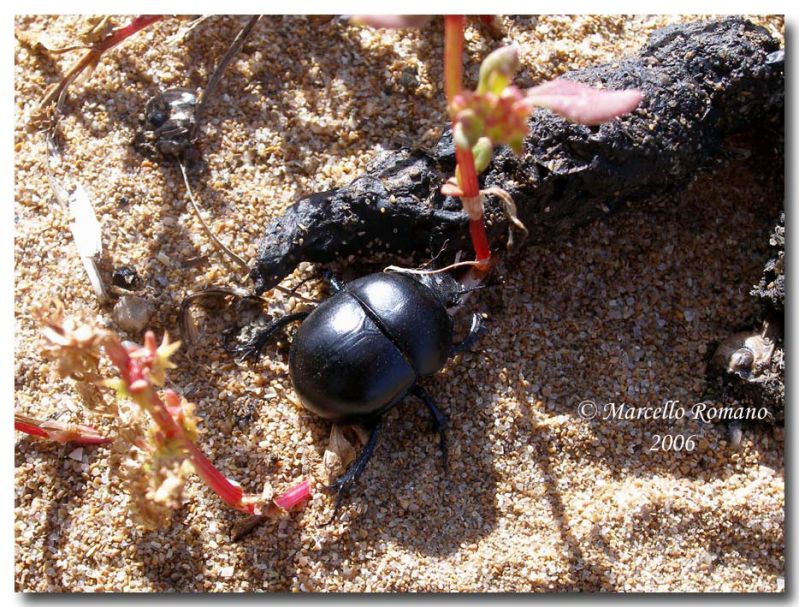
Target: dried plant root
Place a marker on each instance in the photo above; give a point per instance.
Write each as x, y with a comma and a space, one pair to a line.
510, 213
188, 331
235, 47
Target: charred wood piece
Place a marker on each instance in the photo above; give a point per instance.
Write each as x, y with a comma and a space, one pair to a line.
702, 82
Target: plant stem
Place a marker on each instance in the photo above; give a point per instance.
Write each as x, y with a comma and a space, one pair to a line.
133, 373
57, 431
29, 426
122, 33
479, 239
134, 377
92, 56
231, 494
453, 49
467, 173
294, 496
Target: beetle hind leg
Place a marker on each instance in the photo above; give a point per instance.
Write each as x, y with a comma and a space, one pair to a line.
344, 483
439, 422
475, 331
252, 348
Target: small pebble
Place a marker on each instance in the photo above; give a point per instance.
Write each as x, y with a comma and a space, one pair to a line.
226, 571
132, 313
76, 454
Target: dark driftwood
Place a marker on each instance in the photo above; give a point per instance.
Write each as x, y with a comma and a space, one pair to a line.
760, 381
702, 82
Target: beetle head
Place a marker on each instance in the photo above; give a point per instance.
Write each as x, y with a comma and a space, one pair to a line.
446, 289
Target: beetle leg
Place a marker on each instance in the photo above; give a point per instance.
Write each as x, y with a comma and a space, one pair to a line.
344, 482
475, 331
254, 346
439, 422
335, 284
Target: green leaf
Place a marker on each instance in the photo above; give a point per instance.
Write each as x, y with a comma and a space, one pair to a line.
482, 151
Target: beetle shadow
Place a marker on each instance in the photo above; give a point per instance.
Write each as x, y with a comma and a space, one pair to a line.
404, 496
557, 368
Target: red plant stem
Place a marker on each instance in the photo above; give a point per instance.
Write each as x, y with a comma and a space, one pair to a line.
122, 33
217, 481
92, 56
62, 433
133, 372
28, 428
453, 49
479, 239
230, 493
467, 173
298, 493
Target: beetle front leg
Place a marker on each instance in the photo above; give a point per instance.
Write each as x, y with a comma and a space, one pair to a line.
475, 331
344, 482
257, 342
439, 422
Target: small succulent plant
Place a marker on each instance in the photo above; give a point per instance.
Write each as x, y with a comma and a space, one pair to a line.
162, 450
497, 112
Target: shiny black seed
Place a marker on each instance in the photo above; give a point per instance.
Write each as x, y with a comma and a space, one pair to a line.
125, 278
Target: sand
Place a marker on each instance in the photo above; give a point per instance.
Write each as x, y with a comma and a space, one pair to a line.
537, 499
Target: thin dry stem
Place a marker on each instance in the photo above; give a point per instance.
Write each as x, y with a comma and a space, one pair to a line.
235, 47
460, 264
218, 243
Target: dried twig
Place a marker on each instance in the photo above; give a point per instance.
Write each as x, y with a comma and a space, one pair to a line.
239, 261
235, 47
452, 266
186, 30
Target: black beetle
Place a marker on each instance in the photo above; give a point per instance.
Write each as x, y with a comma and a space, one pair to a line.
362, 351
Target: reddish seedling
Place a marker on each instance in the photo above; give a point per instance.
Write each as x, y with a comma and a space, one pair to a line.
497, 113
89, 60
162, 451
